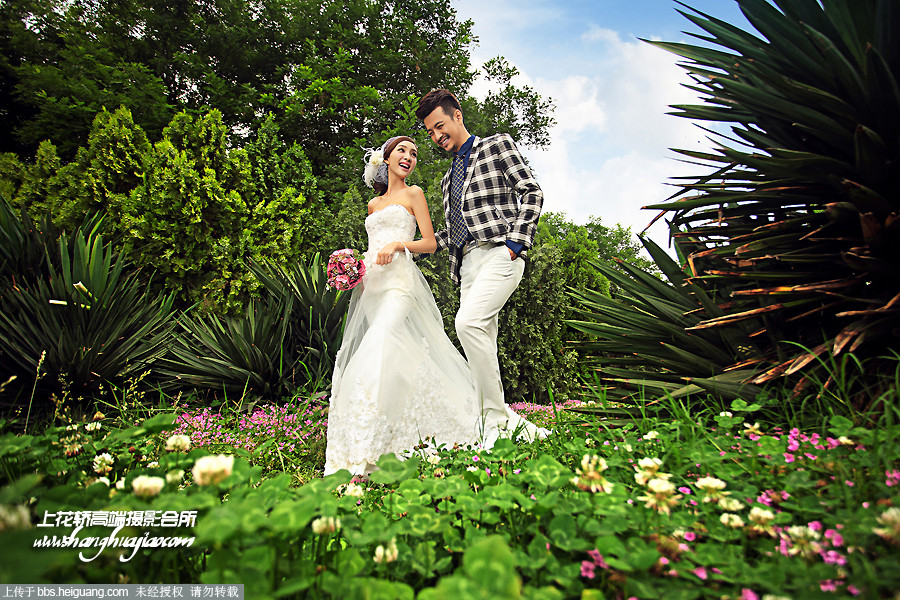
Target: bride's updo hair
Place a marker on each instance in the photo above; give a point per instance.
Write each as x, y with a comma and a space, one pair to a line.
375, 173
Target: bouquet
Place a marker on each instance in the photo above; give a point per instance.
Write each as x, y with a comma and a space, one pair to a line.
345, 269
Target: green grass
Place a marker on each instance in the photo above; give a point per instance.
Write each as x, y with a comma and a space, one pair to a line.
585, 513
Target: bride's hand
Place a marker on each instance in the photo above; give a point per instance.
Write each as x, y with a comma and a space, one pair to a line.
386, 254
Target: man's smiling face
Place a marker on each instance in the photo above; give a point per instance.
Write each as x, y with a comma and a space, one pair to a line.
447, 131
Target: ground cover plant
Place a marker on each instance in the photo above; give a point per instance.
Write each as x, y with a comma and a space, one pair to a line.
716, 506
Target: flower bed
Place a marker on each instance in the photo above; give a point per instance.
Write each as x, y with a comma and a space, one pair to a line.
719, 509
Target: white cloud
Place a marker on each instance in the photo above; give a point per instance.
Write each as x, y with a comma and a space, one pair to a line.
609, 153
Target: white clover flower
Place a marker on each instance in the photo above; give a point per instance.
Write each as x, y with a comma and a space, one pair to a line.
92, 426
592, 462
103, 480
146, 486
730, 504
628, 447
891, 521
731, 520
660, 486
120, 484
103, 463
175, 477
845, 441
761, 520
178, 443
761, 516
660, 495
324, 525
471, 468
752, 429
354, 490
433, 459
725, 413
803, 532
588, 476
152, 464
386, 555
651, 435
209, 470
711, 487
774, 597
650, 464
14, 517
710, 484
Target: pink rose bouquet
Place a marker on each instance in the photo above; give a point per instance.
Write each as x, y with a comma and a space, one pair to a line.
345, 269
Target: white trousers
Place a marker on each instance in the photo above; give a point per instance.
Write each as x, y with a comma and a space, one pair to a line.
488, 276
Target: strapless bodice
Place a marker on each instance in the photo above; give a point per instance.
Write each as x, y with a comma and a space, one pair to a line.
392, 223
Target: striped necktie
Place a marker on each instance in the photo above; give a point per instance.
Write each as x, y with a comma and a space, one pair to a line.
459, 233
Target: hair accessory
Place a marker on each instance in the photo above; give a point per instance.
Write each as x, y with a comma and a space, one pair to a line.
376, 169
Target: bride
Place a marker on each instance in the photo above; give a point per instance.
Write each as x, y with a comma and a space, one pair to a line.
398, 380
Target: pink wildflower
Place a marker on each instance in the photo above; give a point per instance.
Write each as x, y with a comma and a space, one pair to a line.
701, 573
598, 559
748, 594
893, 478
833, 557
587, 569
690, 536
788, 458
828, 586
815, 525
853, 590
836, 538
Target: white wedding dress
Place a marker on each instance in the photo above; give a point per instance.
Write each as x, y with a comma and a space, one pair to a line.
398, 380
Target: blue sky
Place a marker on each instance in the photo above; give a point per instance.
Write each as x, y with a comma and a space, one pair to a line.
609, 153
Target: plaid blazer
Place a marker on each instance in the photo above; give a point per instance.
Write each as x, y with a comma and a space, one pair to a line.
501, 200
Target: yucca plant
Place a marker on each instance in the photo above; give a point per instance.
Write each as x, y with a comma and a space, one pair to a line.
317, 320
643, 340
797, 224
238, 356
83, 315
284, 343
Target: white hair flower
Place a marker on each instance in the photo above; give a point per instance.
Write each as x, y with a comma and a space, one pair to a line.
376, 157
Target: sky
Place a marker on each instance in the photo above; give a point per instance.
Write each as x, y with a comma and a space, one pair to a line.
609, 152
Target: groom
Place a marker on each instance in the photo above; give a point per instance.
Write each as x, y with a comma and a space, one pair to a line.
492, 204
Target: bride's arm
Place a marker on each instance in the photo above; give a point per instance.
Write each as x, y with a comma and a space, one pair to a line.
427, 243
